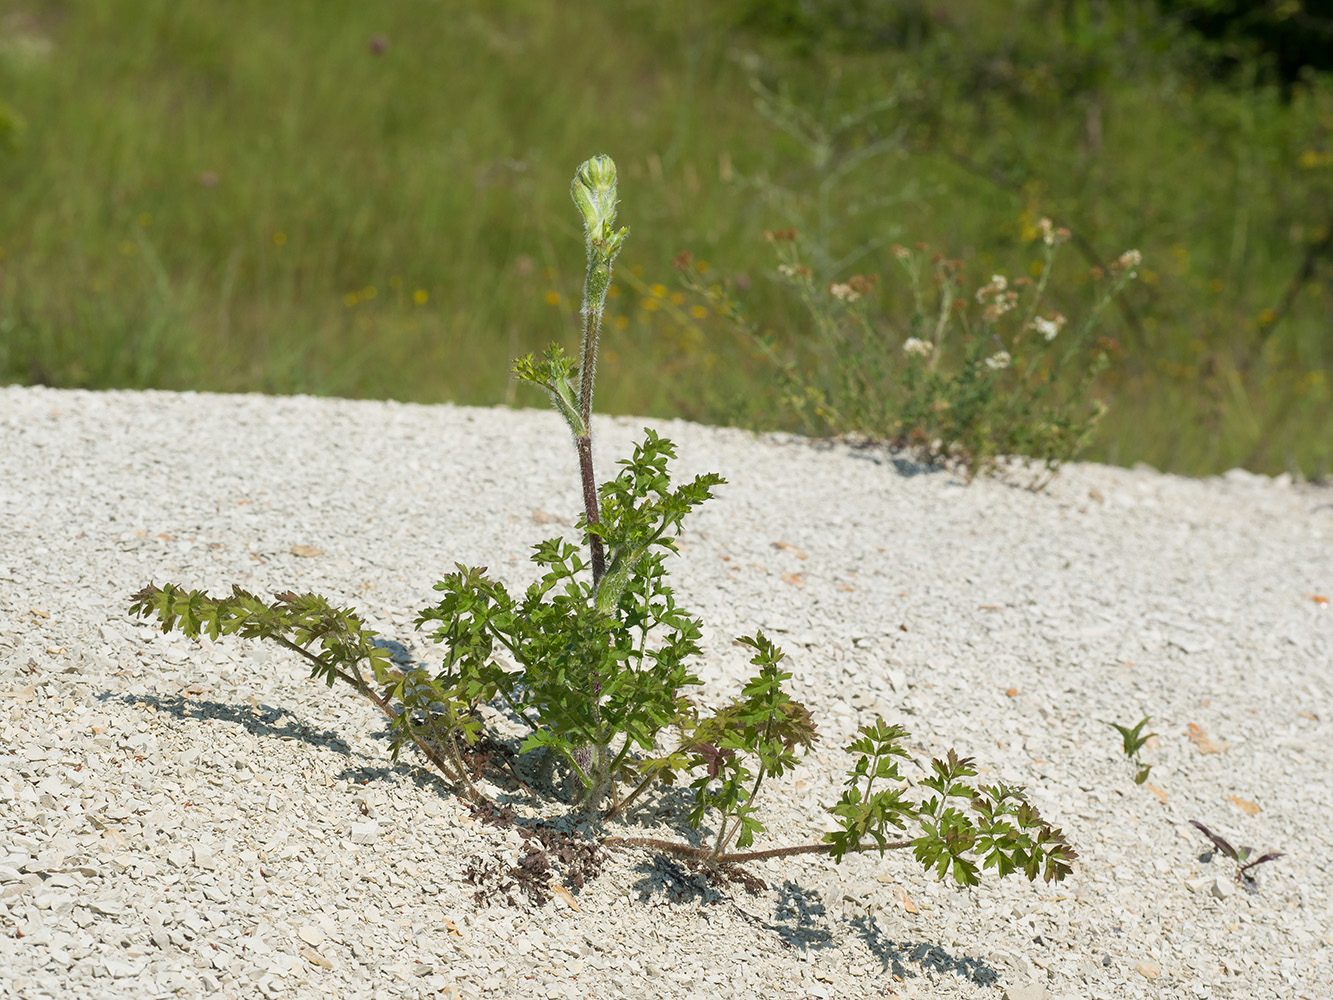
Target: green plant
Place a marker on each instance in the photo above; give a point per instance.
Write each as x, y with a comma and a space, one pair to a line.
973, 385
1134, 739
593, 659
294, 267
1240, 855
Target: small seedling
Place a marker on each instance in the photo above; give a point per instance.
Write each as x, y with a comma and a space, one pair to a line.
1240, 855
1134, 741
594, 659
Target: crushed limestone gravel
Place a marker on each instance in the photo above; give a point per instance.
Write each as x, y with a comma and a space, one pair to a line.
183, 819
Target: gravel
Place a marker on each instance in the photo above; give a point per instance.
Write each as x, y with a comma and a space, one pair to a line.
201, 820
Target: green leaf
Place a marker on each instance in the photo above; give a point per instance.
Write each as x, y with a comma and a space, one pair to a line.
1131, 738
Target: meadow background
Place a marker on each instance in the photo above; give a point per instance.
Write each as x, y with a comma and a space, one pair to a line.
371, 200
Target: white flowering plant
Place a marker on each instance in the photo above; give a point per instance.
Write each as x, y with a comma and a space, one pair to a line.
593, 661
975, 379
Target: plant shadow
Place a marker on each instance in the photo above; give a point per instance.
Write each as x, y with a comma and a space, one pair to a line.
664, 806
263, 720
881, 453
894, 955
801, 921
260, 720
800, 918
669, 878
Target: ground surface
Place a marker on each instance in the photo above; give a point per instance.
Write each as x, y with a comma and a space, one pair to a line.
190, 820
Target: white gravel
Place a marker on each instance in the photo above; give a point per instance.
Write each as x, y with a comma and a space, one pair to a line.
202, 820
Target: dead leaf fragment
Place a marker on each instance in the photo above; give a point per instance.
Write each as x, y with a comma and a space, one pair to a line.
39, 613
1319, 599
1159, 792
788, 545
566, 895
1200, 739
315, 958
452, 928
1012, 692
1245, 806
306, 551
905, 901
1148, 970
795, 579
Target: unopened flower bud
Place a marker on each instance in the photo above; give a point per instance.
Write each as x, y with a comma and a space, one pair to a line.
594, 192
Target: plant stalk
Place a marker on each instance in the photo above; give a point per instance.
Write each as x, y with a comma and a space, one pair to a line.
458, 777
590, 507
683, 850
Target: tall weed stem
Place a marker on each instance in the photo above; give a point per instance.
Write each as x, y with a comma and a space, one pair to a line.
594, 192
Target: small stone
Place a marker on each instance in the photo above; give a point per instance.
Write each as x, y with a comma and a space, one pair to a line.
1031, 991
1148, 970
311, 935
1222, 887
1189, 643
118, 968
204, 857
365, 833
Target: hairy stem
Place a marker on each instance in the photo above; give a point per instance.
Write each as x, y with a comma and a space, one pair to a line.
618, 808
449, 741
683, 850
590, 508
723, 841
594, 192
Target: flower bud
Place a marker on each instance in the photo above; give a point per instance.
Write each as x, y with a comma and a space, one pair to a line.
594, 192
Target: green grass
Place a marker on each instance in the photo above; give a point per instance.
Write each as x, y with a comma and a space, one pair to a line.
243, 196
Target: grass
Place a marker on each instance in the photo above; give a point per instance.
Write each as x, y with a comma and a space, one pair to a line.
368, 200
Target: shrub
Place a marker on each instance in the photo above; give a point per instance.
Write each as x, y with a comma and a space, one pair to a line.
975, 382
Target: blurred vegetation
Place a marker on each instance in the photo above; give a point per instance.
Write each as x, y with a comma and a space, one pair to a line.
372, 200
